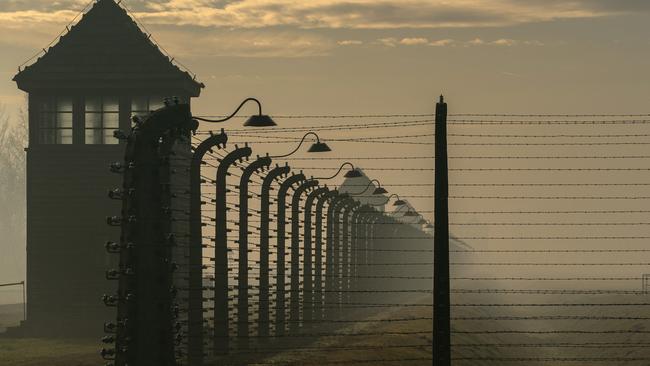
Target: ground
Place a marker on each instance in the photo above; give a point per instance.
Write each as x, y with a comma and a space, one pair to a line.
33, 352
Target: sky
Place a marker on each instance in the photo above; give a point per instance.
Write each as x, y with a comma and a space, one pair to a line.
352, 56
337, 57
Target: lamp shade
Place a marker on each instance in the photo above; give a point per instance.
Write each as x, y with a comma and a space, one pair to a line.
422, 221
353, 174
399, 203
319, 147
429, 226
411, 213
260, 120
380, 190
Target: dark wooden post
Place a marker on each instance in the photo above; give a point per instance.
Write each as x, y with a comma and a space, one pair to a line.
308, 273
294, 296
280, 316
441, 301
265, 220
242, 275
195, 280
221, 293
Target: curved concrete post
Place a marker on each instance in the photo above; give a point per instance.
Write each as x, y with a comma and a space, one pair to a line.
381, 234
242, 274
146, 244
347, 239
318, 255
265, 203
308, 273
355, 247
280, 316
221, 341
361, 270
195, 251
332, 294
294, 296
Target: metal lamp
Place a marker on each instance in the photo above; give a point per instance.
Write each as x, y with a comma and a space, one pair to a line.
317, 147
259, 120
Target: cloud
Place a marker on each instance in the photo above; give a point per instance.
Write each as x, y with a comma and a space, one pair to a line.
442, 43
41, 5
394, 42
344, 14
505, 42
388, 42
476, 42
413, 41
349, 42
245, 43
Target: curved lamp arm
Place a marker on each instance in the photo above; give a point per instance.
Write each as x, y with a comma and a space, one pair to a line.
299, 145
366, 189
387, 199
337, 173
259, 105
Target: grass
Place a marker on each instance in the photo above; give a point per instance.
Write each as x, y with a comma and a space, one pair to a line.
37, 352
321, 351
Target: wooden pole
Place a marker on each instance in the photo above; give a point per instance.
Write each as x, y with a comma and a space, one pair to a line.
441, 311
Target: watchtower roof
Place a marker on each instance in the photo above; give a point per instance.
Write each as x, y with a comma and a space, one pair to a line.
106, 49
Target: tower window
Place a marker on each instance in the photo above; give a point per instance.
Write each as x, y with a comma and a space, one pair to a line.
55, 121
102, 118
144, 105
141, 106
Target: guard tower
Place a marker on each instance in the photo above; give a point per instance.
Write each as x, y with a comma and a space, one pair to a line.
104, 70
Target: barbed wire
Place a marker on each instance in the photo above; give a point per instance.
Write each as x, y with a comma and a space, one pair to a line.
547, 292
396, 124
336, 116
548, 136
351, 361
551, 251
487, 305
543, 237
549, 223
553, 345
481, 169
546, 122
546, 184
553, 359
545, 264
548, 317
330, 348
549, 212
546, 278
543, 115
319, 335
575, 331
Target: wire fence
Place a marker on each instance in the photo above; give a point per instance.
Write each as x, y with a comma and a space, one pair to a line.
547, 249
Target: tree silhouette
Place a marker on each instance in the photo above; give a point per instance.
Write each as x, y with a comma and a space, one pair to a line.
13, 139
